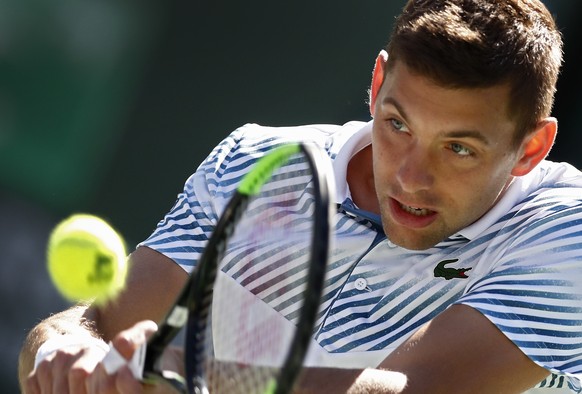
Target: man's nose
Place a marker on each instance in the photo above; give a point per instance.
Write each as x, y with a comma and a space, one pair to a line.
415, 172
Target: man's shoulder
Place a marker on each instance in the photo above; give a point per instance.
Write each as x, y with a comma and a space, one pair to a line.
548, 197
552, 200
560, 172
317, 133
554, 185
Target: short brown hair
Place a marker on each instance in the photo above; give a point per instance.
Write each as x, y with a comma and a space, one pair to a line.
481, 43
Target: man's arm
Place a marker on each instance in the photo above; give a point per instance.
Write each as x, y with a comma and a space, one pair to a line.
153, 283
460, 351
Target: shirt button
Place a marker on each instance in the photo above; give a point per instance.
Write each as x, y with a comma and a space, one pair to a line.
361, 284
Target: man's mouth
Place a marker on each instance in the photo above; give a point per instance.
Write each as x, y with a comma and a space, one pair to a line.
415, 211
411, 216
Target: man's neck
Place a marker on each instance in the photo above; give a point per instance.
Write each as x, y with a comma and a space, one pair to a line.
360, 178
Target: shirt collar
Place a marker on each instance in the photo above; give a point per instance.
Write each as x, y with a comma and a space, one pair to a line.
354, 143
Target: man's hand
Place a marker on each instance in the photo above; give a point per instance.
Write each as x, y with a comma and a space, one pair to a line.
153, 283
79, 368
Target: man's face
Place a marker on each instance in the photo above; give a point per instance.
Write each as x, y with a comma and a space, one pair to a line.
441, 157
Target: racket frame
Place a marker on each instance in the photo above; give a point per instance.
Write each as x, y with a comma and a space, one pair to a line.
193, 304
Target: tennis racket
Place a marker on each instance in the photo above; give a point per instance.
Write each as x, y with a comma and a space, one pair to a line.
252, 302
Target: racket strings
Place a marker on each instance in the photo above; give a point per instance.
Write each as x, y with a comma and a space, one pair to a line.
239, 379
261, 284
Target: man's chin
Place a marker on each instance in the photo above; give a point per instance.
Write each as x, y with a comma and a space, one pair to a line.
413, 245
412, 240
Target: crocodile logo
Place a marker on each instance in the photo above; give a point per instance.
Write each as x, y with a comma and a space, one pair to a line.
449, 273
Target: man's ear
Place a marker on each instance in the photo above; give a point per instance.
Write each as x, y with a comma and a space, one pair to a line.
536, 146
377, 78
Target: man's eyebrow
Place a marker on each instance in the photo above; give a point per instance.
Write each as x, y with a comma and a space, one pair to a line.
468, 134
474, 134
392, 101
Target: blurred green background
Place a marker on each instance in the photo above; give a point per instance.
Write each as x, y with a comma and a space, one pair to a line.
107, 107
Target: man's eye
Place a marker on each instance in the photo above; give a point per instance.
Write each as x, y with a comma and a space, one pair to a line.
398, 125
461, 150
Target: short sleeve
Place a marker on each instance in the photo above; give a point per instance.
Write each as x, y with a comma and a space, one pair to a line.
533, 293
184, 231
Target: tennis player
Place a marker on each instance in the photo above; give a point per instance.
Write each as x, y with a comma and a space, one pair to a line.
457, 265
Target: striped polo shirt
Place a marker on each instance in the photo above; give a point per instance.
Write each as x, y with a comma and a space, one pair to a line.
520, 265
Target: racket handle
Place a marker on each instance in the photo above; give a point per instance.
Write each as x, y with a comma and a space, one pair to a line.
199, 386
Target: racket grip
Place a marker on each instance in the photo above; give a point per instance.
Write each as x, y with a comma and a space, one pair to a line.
113, 361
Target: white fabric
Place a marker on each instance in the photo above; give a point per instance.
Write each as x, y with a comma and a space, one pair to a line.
523, 259
61, 342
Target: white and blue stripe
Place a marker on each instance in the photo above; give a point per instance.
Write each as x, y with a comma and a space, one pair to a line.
525, 257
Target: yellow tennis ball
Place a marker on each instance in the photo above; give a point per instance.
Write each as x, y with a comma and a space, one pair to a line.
86, 259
